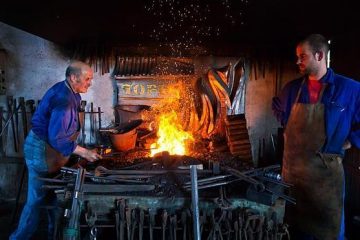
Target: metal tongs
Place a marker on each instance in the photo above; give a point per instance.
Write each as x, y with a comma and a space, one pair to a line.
109, 130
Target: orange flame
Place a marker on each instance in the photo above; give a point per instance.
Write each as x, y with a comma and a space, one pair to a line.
171, 137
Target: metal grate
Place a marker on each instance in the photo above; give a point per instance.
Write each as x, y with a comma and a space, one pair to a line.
145, 66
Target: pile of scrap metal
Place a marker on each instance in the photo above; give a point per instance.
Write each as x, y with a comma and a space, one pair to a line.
153, 201
218, 94
237, 136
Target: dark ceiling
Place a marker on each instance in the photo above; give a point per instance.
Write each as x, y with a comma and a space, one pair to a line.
269, 23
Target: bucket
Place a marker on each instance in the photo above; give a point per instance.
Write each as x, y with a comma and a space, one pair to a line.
125, 139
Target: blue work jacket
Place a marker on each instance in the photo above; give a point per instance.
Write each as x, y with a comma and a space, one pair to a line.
56, 118
341, 99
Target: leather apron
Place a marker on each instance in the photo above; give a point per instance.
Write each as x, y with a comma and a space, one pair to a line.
54, 159
317, 177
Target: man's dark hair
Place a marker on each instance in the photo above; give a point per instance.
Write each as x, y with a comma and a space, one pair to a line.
317, 42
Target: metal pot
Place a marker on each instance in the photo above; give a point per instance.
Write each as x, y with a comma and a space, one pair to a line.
125, 138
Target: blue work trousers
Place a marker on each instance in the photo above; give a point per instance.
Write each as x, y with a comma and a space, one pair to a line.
34, 153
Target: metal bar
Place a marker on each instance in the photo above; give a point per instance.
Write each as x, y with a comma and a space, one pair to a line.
16, 112
2, 153
98, 133
236, 173
116, 188
92, 127
195, 202
82, 121
105, 171
280, 195
7, 123
18, 193
23, 116
72, 230
210, 179
11, 112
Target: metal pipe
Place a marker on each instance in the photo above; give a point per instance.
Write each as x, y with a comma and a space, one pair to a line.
210, 179
195, 201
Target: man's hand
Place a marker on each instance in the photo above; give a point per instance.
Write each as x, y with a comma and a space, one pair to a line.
92, 155
346, 145
89, 154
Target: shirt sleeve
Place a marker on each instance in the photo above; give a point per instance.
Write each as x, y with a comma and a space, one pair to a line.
61, 128
280, 104
355, 130
278, 109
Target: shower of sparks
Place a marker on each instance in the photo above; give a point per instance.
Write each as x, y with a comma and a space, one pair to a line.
184, 24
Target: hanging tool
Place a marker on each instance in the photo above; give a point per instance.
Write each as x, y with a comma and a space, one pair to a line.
98, 132
152, 213
2, 152
30, 104
30, 109
120, 219
173, 226
10, 106
128, 222
164, 217
23, 116
82, 121
141, 224
72, 230
134, 222
23, 170
92, 125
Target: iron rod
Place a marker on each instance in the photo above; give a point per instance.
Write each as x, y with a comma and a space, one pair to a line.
195, 202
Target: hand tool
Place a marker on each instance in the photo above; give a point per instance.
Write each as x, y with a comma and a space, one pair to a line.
98, 133
71, 232
141, 224
121, 218
195, 202
30, 109
152, 213
15, 111
82, 121
2, 153
164, 217
116, 188
173, 226
11, 112
91, 218
23, 116
134, 222
236, 230
215, 225
128, 222
104, 171
228, 221
183, 223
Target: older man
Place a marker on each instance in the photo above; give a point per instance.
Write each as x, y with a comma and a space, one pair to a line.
321, 115
55, 127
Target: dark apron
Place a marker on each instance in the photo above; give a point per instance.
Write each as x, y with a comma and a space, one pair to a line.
54, 159
317, 178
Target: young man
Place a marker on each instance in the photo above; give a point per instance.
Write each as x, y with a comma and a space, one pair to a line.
321, 115
55, 127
